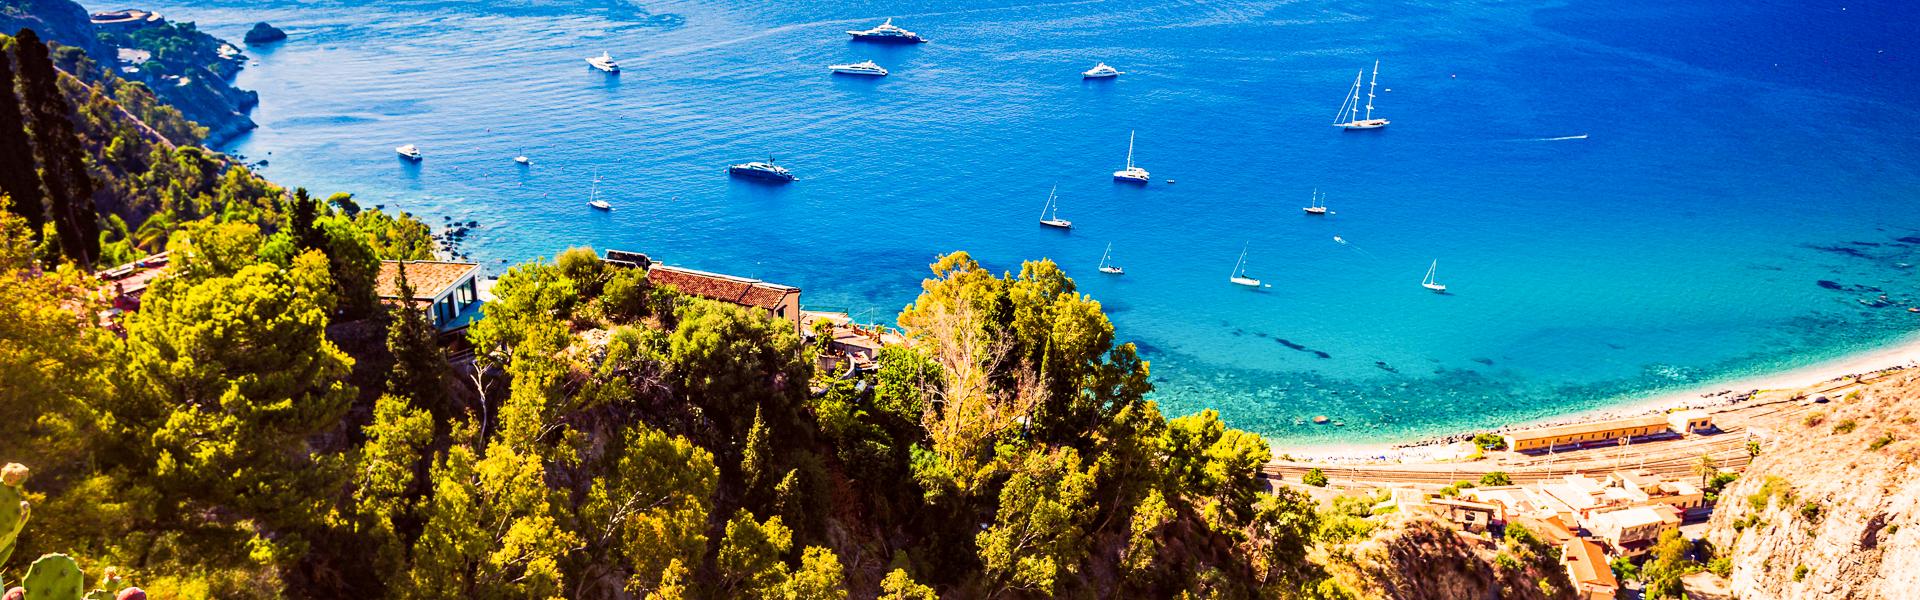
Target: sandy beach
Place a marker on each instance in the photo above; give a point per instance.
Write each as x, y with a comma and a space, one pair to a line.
1716, 397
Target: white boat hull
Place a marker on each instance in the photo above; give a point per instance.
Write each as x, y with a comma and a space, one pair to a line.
1113, 270
1246, 281
1060, 223
1135, 176
1361, 125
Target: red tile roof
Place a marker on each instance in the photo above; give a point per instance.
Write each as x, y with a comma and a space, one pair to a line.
1587, 564
725, 288
429, 278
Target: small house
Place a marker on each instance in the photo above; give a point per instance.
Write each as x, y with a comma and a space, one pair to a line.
450, 291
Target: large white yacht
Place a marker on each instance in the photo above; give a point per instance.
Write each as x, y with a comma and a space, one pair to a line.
1100, 71
1132, 173
887, 32
604, 62
761, 170
868, 68
410, 152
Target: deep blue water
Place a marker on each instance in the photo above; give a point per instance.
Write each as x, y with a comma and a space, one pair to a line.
1736, 155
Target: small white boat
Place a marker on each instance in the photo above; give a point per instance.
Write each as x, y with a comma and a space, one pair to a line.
1239, 276
1106, 264
523, 160
1050, 214
868, 68
1429, 283
1132, 173
1319, 206
593, 196
1350, 107
604, 62
1100, 71
410, 152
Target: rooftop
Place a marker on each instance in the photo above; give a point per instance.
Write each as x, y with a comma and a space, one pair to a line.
429, 278
1585, 428
1637, 516
1587, 564
725, 288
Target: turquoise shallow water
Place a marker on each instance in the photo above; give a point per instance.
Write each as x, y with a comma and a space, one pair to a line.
1734, 158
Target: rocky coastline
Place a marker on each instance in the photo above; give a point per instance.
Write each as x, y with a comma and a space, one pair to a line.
198, 82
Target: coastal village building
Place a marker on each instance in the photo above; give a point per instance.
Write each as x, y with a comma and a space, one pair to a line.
1587, 568
1579, 435
1472, 516
780, 301
1631, 531
124, 285
450, 291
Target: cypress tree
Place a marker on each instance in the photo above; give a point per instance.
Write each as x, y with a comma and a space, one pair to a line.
62, 161
419, 368
18, 176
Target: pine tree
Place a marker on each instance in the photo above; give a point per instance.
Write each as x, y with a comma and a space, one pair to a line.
18, 177
62, 160
419, 368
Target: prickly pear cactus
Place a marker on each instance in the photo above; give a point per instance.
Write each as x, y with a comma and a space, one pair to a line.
13, 507
132, 593
55, 577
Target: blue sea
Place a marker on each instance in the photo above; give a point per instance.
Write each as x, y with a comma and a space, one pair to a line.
1625, 197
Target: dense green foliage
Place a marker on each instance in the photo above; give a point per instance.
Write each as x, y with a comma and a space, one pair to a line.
266, 429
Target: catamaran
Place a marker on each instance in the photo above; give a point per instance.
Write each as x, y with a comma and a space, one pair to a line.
1319, 206
1429, 283
593, 196
1100, 71
887, 32
604, 62
1132, 173
410, 152
1239, 276
1350, 108
1050, 214
1106, 264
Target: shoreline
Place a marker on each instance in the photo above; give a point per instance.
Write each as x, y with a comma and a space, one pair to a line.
1714, 397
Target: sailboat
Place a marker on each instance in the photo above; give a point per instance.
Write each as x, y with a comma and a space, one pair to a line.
1108, 267
1239, 276
593, 197
1050, 214
1428, 281
1131, 173
1350, 109
1319, 206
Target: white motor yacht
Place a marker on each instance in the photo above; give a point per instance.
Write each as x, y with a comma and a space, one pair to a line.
410, 152
868, 68
604, 62
887, 32
761, 170
1100, 71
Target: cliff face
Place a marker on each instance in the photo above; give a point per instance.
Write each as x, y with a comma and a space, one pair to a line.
194, 74
58, 20
1423, 559
1828, 508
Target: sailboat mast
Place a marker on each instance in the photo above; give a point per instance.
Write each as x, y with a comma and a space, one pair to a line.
1049, 204
1370, 87
1130, 136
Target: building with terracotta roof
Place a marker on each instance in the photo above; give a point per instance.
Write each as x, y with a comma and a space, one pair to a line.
1587, 568
449, 290
1631, 531
779, 301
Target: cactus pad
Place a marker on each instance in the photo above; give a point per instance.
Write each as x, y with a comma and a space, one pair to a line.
55, 577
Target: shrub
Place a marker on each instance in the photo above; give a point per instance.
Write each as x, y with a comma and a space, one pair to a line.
1720, 480
1721, 566
1753, 448
1774, 487
1845, 427
1507, 562
1624, 569
1814, 419
1799, 572
1314, 478
1488, 441
1881, 442
1496, 478
1810, 511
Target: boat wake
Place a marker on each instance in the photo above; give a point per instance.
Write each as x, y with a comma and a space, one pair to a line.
1555, 139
